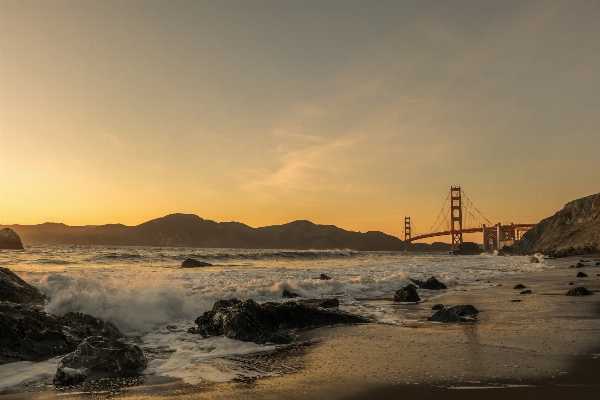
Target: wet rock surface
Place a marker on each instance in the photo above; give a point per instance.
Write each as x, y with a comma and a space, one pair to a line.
579, 291
9, 240
97, 353
28, 333
432, 284
16, 290
407, 294
191, 263
249, 321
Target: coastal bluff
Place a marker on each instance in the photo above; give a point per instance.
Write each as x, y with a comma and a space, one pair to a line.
574, 228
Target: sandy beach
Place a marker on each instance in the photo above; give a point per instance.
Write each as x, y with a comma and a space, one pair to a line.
541, 345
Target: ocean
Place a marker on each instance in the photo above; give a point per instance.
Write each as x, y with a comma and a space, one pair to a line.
147, 295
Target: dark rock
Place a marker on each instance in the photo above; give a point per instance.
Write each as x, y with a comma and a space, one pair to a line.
597, 264
445, 316
99, 354
526, 292
289, 295
407, 294
324, 277
579, 265
438, 307
9, 240
191, 263
579, 291
16, 290
581, 275
516, 301
582, 261
520, 286
501, 253
432, 284
571, 283
28, 333
571, 266
467, 249
464, 310
324, 303
249, 321
533, 260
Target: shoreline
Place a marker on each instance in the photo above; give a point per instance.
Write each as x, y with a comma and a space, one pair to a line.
540, 346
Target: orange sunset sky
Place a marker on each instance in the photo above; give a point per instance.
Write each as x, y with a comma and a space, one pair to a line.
355, 114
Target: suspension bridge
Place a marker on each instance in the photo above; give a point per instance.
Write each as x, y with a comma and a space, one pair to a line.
458, 216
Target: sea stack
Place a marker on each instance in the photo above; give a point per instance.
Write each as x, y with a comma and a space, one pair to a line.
10, 240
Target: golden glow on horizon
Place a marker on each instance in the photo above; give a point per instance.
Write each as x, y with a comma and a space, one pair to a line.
355, 116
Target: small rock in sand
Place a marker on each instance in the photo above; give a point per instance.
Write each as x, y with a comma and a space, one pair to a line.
520, 286
438, 307
571, 283
324, 277
582, 275
516, 301
533, 260
433, 284
571, 266
526, 292
579, 265
579, 291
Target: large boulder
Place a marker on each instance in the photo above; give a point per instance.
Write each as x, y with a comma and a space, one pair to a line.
249, 321
10, 240
101, 354
191, 263
407, 294
467, 249
28, 333
16, 290
432, 284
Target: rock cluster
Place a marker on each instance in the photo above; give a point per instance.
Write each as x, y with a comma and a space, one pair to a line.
249, 321
462, 313
579, 291
102, 354
10, 240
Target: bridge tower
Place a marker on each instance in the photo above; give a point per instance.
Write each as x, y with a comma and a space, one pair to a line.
455, 216
407, 234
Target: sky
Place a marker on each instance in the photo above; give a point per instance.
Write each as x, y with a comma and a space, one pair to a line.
355, 114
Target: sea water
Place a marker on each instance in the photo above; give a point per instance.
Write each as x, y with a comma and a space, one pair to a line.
147, 295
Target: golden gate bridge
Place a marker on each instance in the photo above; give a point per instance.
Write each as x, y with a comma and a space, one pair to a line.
458, 217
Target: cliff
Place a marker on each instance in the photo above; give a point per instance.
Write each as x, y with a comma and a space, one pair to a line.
573, 229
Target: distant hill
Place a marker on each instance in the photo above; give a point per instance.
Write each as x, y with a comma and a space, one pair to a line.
576, 226
188, 230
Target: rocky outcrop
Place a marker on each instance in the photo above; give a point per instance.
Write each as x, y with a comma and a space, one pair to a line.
10, 240
462, 313
407, 294
191, 263
28, 333
101, 354
573, 230
16, 290
249, 321
467, 249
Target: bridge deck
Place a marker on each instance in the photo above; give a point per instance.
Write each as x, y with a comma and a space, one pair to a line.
469, 230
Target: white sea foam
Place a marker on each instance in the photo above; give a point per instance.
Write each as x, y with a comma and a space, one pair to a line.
21, 372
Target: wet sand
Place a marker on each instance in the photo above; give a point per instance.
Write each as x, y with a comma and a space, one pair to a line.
546, 345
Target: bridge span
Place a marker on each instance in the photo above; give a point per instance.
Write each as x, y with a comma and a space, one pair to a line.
494, 236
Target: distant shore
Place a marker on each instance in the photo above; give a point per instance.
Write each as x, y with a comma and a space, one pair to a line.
543, 346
